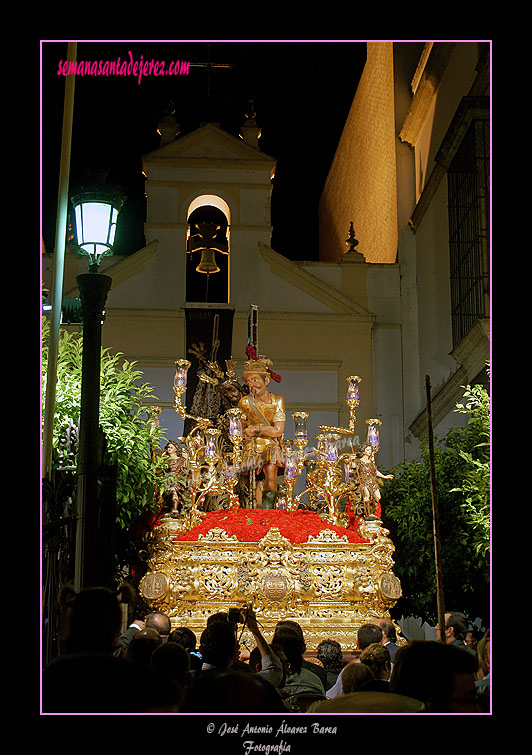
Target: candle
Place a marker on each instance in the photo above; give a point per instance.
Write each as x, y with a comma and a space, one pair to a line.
332, 454
352, 388
347, 471
235, 427
181, 368
352, 391
300, 427
331, 447
210, 446
290, 465
373, 436
373, 431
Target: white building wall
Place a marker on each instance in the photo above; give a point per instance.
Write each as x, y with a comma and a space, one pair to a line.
434, 293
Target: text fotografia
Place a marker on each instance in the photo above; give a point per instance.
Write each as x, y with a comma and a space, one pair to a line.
248, 730
119, 67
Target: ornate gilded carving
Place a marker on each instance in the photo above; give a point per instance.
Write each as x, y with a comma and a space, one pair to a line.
329, 585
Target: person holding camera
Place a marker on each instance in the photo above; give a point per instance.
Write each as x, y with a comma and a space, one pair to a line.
271, 667
220, 648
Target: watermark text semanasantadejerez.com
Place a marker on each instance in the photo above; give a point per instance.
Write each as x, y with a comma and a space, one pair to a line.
123, 67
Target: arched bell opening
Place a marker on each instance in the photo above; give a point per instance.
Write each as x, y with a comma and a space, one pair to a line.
207, 269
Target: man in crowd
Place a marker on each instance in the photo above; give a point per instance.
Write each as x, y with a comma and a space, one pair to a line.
455, 631
389, 639
155, 620
366, 636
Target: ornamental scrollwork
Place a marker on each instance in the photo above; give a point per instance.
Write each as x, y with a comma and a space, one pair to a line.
328, 585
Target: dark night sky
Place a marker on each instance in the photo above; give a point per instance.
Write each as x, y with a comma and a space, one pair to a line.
302, 92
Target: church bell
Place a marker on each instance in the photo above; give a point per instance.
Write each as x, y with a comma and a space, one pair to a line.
207, 263
207, 241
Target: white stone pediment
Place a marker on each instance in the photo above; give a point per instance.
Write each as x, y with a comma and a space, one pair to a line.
209, 143
314, 287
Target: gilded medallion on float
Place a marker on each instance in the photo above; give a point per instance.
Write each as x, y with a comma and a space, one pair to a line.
153, 586
275, 587
390, 586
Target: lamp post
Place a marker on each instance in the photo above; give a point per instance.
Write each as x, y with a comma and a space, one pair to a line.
59, 261
96, 211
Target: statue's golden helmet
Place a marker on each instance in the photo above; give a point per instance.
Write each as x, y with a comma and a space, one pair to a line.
257, 367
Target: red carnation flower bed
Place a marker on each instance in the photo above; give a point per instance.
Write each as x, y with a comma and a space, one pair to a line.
251, 525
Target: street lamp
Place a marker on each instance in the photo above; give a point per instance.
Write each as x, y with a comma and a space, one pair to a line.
96, 211
96, 207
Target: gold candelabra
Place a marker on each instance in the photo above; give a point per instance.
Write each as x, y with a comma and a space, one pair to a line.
211, 472
334, 586
352, 399
324, 483
291, 470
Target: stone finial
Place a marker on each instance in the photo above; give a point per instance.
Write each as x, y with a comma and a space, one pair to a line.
352, 255
168, 128
250, 132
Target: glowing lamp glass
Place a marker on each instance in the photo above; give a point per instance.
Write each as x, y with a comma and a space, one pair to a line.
235, 426
300, 426
96, 210
331, 447
352, 388
373, 435
181, 369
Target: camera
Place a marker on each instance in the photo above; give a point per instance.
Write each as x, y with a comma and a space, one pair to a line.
234, 616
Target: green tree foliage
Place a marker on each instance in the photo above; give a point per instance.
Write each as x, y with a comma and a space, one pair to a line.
475, 486
463, 489
130, 436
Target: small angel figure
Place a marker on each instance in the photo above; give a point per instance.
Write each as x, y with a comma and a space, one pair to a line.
175, 492
367, 474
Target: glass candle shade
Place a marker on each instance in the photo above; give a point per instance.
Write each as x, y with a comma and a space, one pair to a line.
290, 464
373, 432
154, 413
300, 426
347, 472
210, 445
332, 447
235, 424
181, 369
352, 389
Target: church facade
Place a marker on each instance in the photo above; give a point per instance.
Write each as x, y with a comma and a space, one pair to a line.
384, 308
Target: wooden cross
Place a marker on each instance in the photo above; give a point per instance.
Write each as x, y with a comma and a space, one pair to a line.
209, 66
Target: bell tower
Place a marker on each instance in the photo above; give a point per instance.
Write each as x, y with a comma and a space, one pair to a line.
208, 176
208, 254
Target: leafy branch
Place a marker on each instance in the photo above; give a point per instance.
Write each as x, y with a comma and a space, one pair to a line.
462, 462
130, 437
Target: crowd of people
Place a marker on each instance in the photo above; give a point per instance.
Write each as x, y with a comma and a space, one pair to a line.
152, 668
